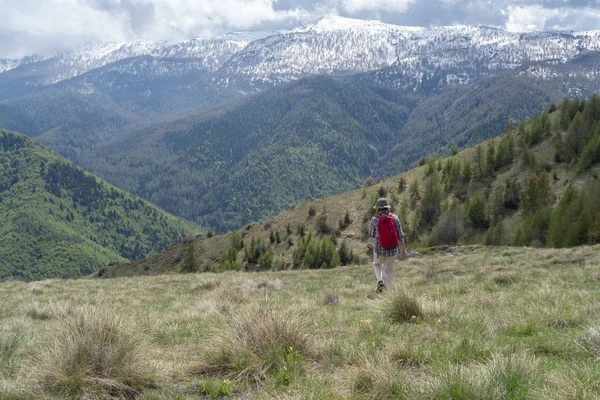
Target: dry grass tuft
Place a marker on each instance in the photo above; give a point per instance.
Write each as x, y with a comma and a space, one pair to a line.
272, 286
47, 311
257, 341
375, 381
512, 376
504, 278
9, 346
400, 308
592, 340
94, 355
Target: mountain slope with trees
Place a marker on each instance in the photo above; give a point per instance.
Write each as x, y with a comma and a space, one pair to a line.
536, 185
60, 221
315, 137
309, 139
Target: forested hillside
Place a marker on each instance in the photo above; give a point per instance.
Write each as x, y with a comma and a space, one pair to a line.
306, 140
536, 185
312, 138
59, 221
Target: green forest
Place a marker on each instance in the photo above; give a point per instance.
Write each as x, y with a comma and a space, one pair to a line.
60, 221
312, 138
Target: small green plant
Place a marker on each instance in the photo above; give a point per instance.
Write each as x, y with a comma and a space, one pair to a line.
293, 366
215, 388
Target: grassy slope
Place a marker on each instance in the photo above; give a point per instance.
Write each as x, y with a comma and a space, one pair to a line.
495, 323
358, 203
54, 234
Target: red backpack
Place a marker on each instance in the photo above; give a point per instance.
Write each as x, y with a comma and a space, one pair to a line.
388, 236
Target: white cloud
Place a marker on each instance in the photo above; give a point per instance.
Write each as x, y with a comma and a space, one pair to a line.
539, 18
529, 18
41, 26
355, 6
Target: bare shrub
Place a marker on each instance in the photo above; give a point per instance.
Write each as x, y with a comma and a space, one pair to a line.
95, 354
188, 239
332, 300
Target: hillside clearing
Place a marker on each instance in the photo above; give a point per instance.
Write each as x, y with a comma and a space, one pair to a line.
492, 323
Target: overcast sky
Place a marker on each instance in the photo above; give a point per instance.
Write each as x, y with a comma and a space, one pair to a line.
48, 26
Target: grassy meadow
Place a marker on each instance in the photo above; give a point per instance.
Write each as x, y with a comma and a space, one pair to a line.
464, 323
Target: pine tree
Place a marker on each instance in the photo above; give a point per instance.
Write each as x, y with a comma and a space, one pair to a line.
590, 154
476, 211
537, 195
490, 158
344, 253
415, 194
432, 197
574, 138
191, 259
594, 233
479, 162
467, 172
564, 215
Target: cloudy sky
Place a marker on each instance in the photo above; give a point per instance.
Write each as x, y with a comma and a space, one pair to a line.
48, 26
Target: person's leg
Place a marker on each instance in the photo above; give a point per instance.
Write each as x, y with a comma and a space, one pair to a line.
377, 264
388, 269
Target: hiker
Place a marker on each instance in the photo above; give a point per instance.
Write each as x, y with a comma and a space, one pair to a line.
387, 231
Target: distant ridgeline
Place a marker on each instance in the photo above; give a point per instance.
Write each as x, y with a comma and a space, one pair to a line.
58, 221
536, 185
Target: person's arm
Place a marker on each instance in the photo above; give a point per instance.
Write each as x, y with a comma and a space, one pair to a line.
403, 247
373, 227
401, 237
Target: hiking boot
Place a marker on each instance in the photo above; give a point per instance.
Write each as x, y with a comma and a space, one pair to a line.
380, 286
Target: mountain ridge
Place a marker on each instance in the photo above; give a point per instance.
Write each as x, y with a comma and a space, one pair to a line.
370, 45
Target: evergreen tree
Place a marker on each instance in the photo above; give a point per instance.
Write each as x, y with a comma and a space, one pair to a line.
345, 254
191, 259
415, 194
432, 198
537, 195
236, 240
495, 234
479, 162
574, 138
564, 215
229, 260
594, 233
490, 158
449, 228
476, 211
590, 154
467, 172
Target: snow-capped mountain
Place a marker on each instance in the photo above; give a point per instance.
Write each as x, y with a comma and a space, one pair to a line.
332, 45
6, 65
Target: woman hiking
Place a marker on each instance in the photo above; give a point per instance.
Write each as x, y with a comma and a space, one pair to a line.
387, 231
